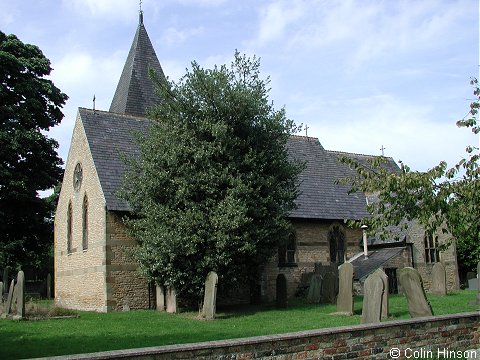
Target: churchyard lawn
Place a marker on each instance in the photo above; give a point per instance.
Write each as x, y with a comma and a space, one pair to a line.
92, 332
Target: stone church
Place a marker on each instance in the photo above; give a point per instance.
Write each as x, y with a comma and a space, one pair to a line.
93, 266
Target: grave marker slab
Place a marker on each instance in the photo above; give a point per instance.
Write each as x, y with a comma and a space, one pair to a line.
210, 296
20, 294
315, 289
439, 279
49, 286
8, 304
412, 285
160, 297
345, 289
281, 291
373, 289
385, 295
329, 288
171, 300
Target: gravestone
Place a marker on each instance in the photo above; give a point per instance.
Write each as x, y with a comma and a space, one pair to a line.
373, 289
412, 285
160, 297
384, 278
20, 294
439, 279
329, 288
49, 286
210, 296
345, 289
281, 290
8, 305
476, 283
1, 295
171, 300
315, 289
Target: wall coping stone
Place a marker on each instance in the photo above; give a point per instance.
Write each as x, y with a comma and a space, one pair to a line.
157, 350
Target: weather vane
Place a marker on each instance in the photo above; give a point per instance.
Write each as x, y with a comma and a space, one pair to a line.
140, 5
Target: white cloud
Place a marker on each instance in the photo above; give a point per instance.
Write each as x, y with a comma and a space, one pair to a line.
173, 36
120, 9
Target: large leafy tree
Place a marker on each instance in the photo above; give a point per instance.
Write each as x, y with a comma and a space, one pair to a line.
213, 185
30, 105
440, 198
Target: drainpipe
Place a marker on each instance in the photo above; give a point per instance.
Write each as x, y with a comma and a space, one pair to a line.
365, 247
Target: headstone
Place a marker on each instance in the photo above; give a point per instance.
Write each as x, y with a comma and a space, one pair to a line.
8, 305
49, 286
345, 289
210, 296
329, 288
476, 283
373, 289
281, 289
412, 285
439, 279
160, 296
386, 289
171, 300
21, 294
1, 294
315, 289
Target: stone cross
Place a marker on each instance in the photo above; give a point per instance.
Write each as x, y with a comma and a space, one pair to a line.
281, 291
171, 300
412, 285
439, 279
373, 289
384, 278
8, 305
345, 289
160, 296
315, 289
210, 296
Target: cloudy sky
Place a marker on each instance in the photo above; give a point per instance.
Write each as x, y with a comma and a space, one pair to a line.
361, 74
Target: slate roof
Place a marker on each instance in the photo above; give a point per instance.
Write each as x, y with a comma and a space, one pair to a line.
376, 258
111, 137
135, 91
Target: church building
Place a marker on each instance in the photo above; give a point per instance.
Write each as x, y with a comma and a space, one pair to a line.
93, 267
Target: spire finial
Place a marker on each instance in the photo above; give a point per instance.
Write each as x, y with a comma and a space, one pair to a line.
140, 13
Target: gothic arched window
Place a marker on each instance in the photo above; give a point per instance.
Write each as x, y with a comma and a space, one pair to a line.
85, 223
69, 228
286, 252
336, 240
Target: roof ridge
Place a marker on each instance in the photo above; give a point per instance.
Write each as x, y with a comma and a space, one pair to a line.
134, 117
357, 154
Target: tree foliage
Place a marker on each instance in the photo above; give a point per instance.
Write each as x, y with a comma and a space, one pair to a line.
440, 198
30, 105
213, 185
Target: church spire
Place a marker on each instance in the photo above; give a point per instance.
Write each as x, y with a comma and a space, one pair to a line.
135, 91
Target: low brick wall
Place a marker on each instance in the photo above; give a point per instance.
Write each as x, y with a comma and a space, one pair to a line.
443, 337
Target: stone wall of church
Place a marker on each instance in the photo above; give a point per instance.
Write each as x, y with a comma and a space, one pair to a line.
79, 273
126, 288
447, 257
312, 247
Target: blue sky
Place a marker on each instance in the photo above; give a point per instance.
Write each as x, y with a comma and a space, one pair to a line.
360, 74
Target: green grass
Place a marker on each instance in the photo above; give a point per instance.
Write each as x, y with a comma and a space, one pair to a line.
93, 332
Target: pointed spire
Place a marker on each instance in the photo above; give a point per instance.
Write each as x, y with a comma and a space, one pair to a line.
135, 91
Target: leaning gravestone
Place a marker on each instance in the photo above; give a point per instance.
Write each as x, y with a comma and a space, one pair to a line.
171, 300
384, 278
329, 287
412, 285
439, 279
373, 289
345, 289
160, 296
281, 290
20, 294
315, 289
8, 304
210, 297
